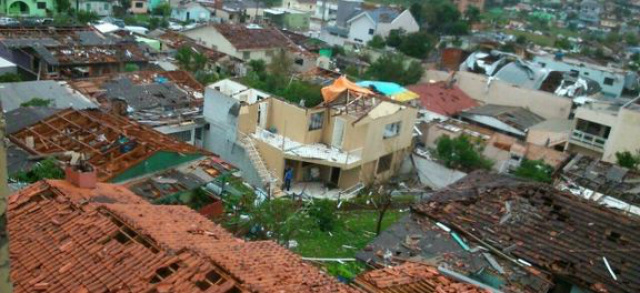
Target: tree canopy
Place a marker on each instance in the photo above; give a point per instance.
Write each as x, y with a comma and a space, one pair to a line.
395, 68
461, 153
628, 160
536, 170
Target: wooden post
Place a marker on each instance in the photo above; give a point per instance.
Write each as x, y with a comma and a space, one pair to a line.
5, 268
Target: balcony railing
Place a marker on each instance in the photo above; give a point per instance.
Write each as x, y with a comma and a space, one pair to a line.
590, 139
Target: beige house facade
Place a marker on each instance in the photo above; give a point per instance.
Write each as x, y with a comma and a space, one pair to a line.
324, 144
602, 129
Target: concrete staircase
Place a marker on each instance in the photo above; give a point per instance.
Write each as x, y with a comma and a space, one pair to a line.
256, 159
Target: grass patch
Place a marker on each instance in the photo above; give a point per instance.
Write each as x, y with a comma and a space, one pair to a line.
355, 230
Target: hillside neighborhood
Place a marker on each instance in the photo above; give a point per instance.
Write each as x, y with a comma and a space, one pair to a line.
320, 146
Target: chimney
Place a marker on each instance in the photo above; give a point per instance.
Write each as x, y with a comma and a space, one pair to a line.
82, 175
219, 4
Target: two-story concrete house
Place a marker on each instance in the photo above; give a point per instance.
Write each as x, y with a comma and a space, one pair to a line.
601, 129
353, 138
612, 80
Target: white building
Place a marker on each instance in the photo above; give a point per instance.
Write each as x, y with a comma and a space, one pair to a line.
362, 25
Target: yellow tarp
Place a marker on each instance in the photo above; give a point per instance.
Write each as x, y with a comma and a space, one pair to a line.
405, 96
331, 92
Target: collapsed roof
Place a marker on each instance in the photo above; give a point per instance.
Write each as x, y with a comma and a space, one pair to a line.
107, 239
512, 69
61, 46
112, 144
534, 224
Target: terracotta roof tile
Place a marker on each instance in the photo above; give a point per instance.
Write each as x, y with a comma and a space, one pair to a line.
66, 239
96, 134
436, 97
412, 277
243, 38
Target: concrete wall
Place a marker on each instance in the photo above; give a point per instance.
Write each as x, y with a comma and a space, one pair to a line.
625, 136
359, 29
102, 8
547, 105
222, 112
211, 38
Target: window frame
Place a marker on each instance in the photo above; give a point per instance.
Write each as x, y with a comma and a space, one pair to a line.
316, 121
392, 130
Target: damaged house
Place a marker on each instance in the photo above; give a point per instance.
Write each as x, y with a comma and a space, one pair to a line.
168, 101
83, 236
119, 149
517, 236
68, 52
353, 138
512, 69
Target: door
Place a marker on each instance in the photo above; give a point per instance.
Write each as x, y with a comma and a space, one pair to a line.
335, 176
338, 133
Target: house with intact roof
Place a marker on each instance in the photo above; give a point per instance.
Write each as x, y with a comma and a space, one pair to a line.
357, 25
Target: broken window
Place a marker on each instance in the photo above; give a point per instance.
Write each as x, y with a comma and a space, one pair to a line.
299, 61
391, 130
608, 81
182, 135
315, 121
384, 163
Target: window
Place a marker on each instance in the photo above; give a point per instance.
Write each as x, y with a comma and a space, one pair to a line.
384, 163
315, 121
139, 4
608, 81
42, 5
182, 135
358, 40
299, 61
392, 130
542, 64
88, 6
575, 73
371, 31
246, 55
199, 133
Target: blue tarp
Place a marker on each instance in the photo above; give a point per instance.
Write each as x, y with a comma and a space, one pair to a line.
386, 88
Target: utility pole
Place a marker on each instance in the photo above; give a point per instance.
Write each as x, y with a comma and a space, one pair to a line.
5, 268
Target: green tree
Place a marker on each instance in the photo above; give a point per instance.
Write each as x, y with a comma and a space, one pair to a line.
521, 40
631, 39
277, 219
536, 170
87, 16
10, 77
395, 68
323, 213
563, 43
63, 6
164, 10
46, 169
472, 14
417, 45
416, 12
131, 67
461, 153
394, 39
377, 42
628, 160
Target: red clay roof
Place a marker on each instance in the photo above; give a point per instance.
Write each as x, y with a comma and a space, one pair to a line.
243, 38
436, 97
66, 239
95, 134
412, 277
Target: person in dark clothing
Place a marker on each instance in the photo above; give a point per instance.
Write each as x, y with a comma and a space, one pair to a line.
288, 176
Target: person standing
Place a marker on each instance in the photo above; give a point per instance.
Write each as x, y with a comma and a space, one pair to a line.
288, 176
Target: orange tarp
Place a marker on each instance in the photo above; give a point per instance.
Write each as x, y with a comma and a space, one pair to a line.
331, 92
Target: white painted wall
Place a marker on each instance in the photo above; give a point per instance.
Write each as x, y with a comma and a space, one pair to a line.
210, 37
359, 29
404, 21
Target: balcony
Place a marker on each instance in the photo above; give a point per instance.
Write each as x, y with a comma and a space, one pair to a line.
312, 152
588, 139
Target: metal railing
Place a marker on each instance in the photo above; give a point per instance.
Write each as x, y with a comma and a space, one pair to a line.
590, 139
